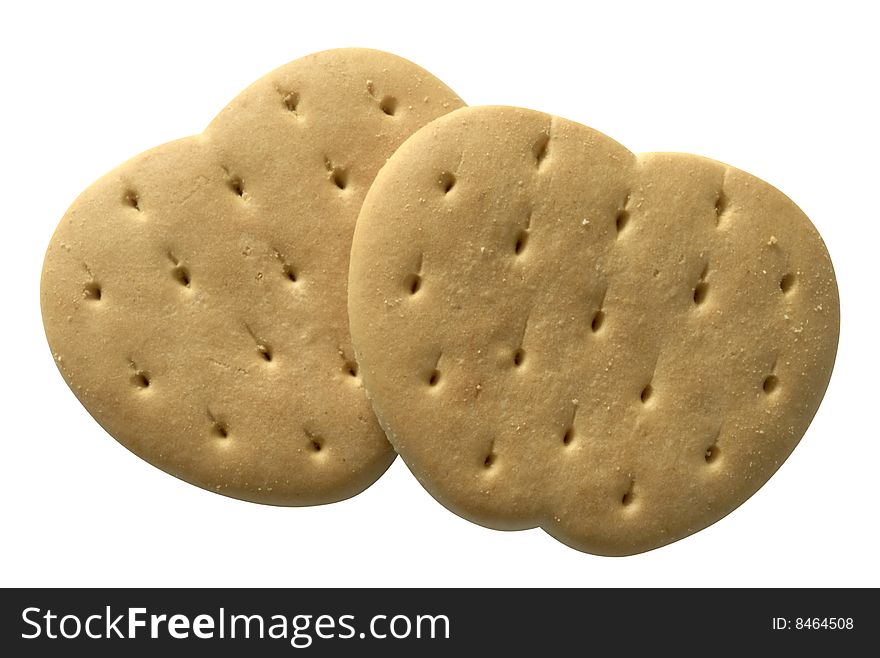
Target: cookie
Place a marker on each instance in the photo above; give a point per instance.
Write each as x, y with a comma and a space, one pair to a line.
194, 298
555, 332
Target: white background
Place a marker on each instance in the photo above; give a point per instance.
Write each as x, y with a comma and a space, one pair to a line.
786, 91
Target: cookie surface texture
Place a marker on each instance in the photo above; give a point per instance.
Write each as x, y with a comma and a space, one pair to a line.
556, 332
195, 297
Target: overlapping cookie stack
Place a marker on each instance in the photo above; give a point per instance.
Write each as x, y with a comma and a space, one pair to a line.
549, 329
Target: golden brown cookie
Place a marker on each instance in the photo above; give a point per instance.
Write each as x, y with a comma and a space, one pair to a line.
195, 298
556, 332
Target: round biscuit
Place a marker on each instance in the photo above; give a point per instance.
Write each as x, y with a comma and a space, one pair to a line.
195, 297
555, 332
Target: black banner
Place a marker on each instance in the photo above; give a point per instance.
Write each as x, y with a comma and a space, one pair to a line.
422, 622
